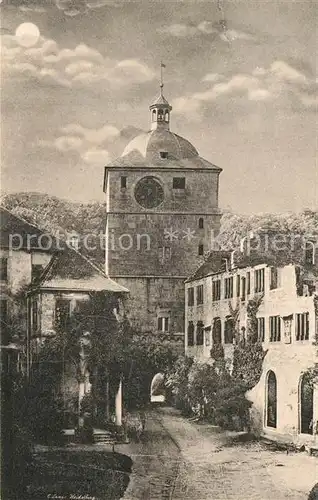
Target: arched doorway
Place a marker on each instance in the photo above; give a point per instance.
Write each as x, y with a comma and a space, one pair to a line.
306, 404
157, 389
271, 400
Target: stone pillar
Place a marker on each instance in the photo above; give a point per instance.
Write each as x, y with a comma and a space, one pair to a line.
118, 403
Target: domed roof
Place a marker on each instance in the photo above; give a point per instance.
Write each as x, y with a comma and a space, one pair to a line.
151, 144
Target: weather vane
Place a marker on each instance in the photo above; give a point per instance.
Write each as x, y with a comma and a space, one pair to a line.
161, 75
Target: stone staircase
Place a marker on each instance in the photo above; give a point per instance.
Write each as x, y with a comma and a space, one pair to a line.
102, 436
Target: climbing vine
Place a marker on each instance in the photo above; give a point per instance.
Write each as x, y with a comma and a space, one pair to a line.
248, 356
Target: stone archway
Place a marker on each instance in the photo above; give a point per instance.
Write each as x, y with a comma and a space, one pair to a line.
306, 405
157, 389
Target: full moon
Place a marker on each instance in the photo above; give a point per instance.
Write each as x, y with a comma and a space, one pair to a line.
27, 34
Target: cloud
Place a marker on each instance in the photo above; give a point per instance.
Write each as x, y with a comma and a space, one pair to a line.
73, 8
212, 77
280, 83
78, 67
87, 143
98, 157
68, 143
92, 136
219, 29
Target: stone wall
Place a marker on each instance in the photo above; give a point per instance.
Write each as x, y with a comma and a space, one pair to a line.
150, 297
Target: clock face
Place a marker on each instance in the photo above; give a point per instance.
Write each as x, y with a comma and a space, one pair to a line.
149, 192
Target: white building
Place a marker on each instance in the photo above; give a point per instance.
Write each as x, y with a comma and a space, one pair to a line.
285, 406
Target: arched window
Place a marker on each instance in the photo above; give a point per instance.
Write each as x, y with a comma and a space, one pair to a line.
190, 333
228, 330
154, 113
306, 404
160, 115
310, 252
271, 400
167, 116
216, 331
200, 333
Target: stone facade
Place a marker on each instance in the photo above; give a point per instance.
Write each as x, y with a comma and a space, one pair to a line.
152, 246
287, 328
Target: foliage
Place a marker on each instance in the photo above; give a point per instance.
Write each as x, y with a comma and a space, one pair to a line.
146, 355
252, 309
217, 352
42, 404
177, 381
248, 362
209, 391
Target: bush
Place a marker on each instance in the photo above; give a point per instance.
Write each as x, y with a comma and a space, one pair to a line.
217, 352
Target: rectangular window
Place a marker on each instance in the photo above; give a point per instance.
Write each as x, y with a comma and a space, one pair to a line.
259, 277
302, 326
123, 182
243, 288
217, 331
216, 290
238, 286
274, 328
201, 223
200, 333
228, 288
36, 271
35, 317
190, 333
4, 321
163, 324
200, 250
248, 283
200, 294
190, 296
3, 312
273, 278
3, 269
164, 154
62, 312
261, 329
178, 183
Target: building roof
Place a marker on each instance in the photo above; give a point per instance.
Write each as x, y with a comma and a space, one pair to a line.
160, 100
18, 234
215, 263
144, 152
70, 270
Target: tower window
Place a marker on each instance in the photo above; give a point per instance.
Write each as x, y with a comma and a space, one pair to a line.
164, 253
160, 115
201, 223
178, 183
123, 182
200, 249
166, 116
154, 112
163, 154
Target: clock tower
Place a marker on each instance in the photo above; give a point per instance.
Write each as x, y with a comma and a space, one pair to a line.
162, 212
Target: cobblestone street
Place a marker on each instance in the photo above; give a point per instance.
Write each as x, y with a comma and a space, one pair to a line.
181, 460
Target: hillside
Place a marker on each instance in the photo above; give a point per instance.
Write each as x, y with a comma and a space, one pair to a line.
61, 217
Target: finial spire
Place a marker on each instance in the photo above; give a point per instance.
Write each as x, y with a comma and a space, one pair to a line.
161, 76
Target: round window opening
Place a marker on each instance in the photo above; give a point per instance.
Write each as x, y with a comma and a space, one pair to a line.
149, 192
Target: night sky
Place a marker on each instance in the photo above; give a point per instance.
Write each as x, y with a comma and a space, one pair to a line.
242, 90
